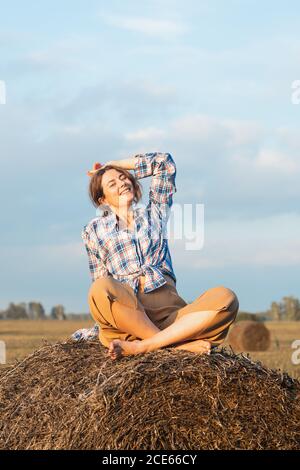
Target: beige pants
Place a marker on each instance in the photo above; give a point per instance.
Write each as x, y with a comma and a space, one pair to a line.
163, 306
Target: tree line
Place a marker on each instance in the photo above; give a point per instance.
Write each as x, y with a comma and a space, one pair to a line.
36, 311
288, 309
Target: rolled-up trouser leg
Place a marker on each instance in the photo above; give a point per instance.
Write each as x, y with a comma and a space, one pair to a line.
102, 293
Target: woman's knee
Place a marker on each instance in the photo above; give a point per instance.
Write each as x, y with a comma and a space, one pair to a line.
100, 286
234, 304
228, 298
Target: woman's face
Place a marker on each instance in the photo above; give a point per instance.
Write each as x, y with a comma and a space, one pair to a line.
117, 188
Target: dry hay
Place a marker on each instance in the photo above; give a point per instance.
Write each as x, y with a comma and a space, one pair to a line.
249, 335
73, 396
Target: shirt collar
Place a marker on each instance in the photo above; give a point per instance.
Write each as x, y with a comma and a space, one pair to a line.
109, 217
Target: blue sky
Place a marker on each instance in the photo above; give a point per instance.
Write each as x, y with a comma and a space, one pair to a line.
208, 81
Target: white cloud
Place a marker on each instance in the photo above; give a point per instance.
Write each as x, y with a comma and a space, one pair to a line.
276, 161
48, 257
150, 133
148, 26
243, 132
270, 241
72, 51
244, 142
154, 89
196, 127
234, 167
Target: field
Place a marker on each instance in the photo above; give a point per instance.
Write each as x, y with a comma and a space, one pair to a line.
22, 337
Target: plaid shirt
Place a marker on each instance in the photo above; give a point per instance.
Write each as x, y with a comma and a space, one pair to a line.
126, 254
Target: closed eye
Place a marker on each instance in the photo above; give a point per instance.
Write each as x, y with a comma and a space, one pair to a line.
121, 177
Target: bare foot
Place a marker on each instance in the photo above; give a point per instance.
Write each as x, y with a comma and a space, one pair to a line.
199, 346
119, 348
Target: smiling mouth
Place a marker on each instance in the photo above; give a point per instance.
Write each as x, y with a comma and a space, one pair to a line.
125, 191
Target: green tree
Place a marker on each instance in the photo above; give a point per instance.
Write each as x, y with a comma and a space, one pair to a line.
58, 313
275, 311
16, 311
291, 308
36, 311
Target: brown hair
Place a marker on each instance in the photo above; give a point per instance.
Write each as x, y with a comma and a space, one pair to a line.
96, 188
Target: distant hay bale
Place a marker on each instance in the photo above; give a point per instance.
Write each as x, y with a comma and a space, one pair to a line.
249, 336
72, 396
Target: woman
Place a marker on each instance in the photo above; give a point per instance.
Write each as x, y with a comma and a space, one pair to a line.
133, 295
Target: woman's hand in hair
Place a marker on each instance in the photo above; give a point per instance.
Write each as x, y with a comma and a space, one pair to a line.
98, 166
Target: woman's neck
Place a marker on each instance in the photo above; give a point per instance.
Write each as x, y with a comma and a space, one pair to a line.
126, 215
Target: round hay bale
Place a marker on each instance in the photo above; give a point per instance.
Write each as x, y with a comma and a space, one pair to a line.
249, 335
73, 396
